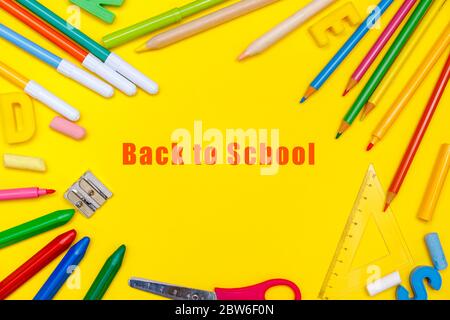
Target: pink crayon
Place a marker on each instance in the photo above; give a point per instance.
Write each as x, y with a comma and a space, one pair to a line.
380, 44
24, 193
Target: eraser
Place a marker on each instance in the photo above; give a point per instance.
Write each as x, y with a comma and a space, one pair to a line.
13, 161
436, 252
68, 128
383, 284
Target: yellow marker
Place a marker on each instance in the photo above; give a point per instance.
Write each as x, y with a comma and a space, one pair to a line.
17, 115
411, 87
39, 93
436, 183
416, 38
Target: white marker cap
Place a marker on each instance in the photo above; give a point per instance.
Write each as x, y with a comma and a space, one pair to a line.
383, 284
99, 68
71, 71
132, 74
53, 102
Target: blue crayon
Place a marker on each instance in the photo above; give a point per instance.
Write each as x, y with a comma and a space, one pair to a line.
351, 43
436, 252
63, 270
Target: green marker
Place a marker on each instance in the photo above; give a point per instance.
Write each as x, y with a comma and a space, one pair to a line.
158, 22
35, 227
386, 64
106, 275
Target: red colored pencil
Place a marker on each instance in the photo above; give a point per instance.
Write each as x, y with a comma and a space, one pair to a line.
421, 129
36, 263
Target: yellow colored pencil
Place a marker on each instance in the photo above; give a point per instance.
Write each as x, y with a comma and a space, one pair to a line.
379, 93
411, 87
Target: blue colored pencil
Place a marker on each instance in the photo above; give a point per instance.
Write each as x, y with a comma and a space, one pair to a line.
351, 43
62, 271
64, 67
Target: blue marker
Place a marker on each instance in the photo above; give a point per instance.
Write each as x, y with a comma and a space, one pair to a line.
63, 270
347, 48
64, 67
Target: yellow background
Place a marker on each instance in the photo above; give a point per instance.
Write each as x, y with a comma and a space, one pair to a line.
221, 226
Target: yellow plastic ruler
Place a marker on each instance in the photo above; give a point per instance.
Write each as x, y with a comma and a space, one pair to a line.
371, 246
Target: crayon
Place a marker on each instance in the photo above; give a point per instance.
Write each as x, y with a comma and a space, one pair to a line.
384, 66
111, 59
62, 272
34, 227
106, 275
348, 47
157, 22
36, 263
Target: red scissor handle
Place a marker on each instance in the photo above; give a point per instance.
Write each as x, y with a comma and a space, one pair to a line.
257, 292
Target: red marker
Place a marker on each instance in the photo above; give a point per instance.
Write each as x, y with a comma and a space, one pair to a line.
36, 263
24, 193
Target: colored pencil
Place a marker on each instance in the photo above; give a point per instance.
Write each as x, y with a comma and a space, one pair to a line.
62, 272
88, 60
345, 50
36, 263
62, 66
157, 22
204, 23
439, 47
34, 227
384, 66
106, 275
111, 59
384, 86
35, 90
421, 129
284, 28
380, 44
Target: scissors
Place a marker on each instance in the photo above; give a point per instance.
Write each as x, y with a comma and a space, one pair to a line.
256, 292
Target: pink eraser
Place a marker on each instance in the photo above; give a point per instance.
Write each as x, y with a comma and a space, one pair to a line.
68, 128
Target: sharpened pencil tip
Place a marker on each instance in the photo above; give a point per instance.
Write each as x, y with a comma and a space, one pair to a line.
386, 206
303, 100
346, 91
244, 55
338, 135
141, 49
370, 146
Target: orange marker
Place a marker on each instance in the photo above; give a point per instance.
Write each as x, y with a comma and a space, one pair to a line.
435, 185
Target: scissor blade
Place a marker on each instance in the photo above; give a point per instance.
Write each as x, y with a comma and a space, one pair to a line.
169, 291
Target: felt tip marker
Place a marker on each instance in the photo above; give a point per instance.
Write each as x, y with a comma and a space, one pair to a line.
24, 193
112, 60
62, 66
39, 93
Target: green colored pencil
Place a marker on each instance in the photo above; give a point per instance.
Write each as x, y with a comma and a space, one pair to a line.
35, 227
385, 65
106, 275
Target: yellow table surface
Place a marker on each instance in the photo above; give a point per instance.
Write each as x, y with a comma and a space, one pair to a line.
220, 226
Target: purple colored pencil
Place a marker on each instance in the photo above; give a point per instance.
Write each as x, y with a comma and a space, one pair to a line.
380, 44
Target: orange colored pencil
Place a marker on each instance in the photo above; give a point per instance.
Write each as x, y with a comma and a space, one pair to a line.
416, 139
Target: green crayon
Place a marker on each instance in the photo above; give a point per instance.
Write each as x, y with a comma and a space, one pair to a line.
106, 275
158, 22
35, 227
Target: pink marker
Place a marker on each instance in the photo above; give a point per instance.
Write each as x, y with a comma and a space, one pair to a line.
24, 193
380, 44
